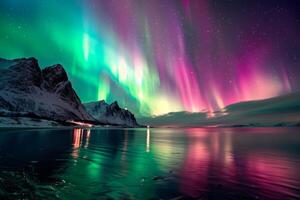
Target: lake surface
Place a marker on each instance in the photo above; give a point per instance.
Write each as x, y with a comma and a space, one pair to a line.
195, 163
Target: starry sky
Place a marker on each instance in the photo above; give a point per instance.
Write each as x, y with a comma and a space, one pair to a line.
159, 56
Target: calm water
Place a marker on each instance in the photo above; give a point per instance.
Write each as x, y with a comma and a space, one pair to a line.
197, 163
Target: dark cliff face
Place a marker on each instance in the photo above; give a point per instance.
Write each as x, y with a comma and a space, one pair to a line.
55, 80
54, 75
111, 113
114, 107
114, 110
47, 93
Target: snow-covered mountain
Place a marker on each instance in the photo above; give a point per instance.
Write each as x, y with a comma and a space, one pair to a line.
26, 90
111, 113
28, 93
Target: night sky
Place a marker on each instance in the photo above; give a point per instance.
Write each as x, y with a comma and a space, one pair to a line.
158, 56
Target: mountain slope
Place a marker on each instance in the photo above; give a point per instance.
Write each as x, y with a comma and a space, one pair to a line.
111, 113
277, 111
26, 90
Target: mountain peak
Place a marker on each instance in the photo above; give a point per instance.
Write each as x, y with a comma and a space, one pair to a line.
115, 106
30, 62
54, 75
111, 113
47, 93
25, 59
23, 72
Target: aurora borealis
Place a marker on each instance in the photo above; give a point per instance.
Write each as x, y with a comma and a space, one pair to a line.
159, 56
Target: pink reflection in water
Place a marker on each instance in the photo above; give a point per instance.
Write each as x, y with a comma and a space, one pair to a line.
211, 161
271, 173
78, 135
195, 169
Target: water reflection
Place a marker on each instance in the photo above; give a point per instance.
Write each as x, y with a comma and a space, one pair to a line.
148, 140
88, 135
195, 167
212, 163
77, 135
80, 134
205, 163
125, 145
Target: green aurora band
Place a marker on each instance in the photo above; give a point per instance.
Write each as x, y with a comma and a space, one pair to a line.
155, 57
54, 33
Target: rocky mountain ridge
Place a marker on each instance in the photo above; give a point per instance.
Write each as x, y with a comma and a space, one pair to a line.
26, 90
110, 113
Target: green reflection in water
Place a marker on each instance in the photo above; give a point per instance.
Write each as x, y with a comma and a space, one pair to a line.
117, 163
